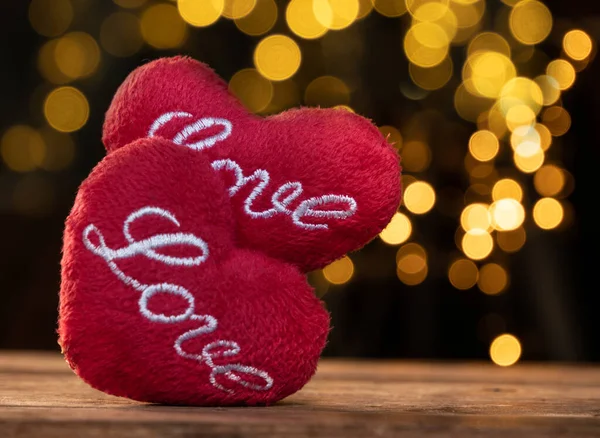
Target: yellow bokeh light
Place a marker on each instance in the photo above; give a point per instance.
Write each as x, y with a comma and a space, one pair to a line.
549, 180
285, 95
511, 241
548, 213
530, 22
335, 14
507, 214
22, 148
550, 89
411, 260
201, 13
518, 116
234, 9
484, 145
162, 27
397, 231
557, 120
436, 12
46, 64
432, 78
416, 156
260, 20
120, 34
493, 120
392, 135
390, 8
419, 197
253, 90
521, 91
277, 57
505, 350
327, 91
426, 44
50, 18
340, 271
77, 55
66, 109
577, 44
531, 162
476, 217
468, 15
525, 140
467, 105
129, 4
563, 72
488, 73
463, 274
493, 279
364, 8
545, 136
477, 244
301, 19
489, 42
507, 189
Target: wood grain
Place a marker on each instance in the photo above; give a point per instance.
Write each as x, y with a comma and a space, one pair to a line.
41, 397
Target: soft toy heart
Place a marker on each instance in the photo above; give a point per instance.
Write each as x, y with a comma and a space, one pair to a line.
183, 261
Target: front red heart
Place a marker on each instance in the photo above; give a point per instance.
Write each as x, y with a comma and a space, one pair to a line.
307, 185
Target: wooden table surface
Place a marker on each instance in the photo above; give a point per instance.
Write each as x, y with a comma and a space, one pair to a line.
41, 397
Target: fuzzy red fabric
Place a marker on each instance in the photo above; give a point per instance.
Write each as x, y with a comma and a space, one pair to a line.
183, 261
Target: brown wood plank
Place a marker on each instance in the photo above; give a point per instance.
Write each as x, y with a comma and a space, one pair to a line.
40, 396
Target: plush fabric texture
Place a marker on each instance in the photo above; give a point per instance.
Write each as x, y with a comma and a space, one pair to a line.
185, 251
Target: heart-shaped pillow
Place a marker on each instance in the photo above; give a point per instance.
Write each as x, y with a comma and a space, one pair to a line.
183, 261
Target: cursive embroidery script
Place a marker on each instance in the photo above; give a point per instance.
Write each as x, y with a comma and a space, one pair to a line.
313, 207
150, 248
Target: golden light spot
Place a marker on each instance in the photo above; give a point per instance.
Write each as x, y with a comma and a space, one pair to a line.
260, 20
563, 72
577, 44
426, 44
470, 106
557, 120
548, 213
431, 78
463, 274
162, 27
488, 73
364, 8
529, 163
477, 244
50, 18
301, 19
416, 156
484, 145
519, 115
235, 9
66, 109
493, 279
46, 64
419, 197
518, 92
390, 8
476, 217
436, 12
200, 13
253, 90
60, 150
545, 136
507, 188
120, 34
530, 22
22, 148
489, 42
277, 57
493, 120
335, 14
507, 214
392, 135
411, 260
327, 91
340, 271
77, 55
550, 88
505, 350
397, 231
129, 4
511, 241
549, 180
468, 15
526, 140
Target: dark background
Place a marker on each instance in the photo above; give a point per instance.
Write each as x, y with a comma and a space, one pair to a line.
551, 304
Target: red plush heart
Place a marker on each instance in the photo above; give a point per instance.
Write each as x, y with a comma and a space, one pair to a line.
312, 184
159, 304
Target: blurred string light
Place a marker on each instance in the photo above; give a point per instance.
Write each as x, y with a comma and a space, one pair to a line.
411, 264
163, 28
493, 279
66, 109
277, 57
260, 19
340, 271
397, 231
50, 18
120, 34
505, 350
253, 89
